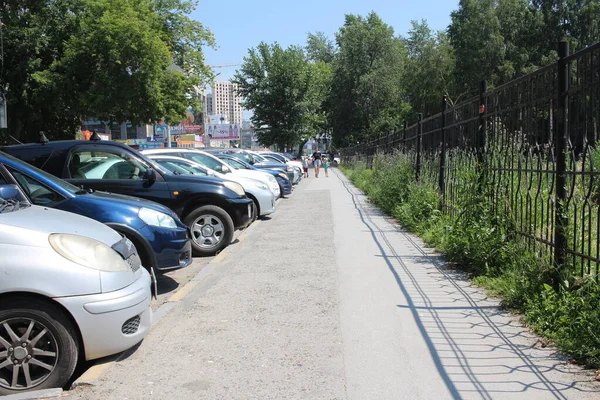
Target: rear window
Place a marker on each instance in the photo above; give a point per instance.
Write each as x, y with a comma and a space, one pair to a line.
37, 156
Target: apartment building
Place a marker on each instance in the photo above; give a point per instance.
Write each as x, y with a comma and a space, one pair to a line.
225, 100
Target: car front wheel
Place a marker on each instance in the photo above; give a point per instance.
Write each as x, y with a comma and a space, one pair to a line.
211, 228
38, 346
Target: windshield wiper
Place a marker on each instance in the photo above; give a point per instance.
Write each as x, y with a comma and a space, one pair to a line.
84, 190
9, 203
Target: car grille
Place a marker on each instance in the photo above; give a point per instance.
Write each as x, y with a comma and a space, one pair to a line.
134, 262
131, 326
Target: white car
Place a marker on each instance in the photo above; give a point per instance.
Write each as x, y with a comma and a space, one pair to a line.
72, 288
212, 162
267, 158
264, 199
283, 158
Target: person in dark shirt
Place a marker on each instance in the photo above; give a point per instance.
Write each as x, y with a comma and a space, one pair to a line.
316, 156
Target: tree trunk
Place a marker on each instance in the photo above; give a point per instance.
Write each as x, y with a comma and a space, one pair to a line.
301, 149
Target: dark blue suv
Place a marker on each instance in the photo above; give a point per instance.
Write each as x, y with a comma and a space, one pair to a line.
161, 239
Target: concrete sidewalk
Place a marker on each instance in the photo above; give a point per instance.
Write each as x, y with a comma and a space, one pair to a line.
414, 329
329, 299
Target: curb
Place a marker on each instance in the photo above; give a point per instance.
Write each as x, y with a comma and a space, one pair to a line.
92, 376
36, 394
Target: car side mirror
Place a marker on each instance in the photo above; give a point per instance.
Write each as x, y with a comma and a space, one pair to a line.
226, 169
151, 175
12, 192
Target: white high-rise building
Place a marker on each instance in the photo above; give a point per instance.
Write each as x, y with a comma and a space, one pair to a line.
209, 105
226, 100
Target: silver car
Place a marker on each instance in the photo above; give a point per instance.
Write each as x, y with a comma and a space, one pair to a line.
70, 287
261, 195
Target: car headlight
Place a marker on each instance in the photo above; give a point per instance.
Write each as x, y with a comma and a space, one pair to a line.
262, 186
236, 187
156, 218
88, 252
282, 175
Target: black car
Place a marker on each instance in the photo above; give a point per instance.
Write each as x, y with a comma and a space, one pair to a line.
210, 207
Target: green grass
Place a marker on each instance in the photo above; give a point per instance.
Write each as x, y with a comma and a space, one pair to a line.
480, 237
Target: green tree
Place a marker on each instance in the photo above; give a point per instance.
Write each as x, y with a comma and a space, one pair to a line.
366, 96
285, 92
575, 20
320, 48
478, 44
429, 72
116, 60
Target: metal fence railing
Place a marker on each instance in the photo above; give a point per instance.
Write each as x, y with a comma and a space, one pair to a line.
536, 142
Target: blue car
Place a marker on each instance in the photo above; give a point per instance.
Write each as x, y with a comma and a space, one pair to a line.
285, 185
161, 239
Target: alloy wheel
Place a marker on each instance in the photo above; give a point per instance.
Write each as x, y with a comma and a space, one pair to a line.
207, 231
28, 353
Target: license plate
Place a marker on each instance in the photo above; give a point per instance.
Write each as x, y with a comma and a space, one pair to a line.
249, 210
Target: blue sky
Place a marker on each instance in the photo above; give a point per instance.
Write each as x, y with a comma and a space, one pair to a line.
241, 24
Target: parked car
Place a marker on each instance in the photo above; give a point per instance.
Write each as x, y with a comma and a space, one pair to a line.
210, 207
72, 288
162, 240
250, 158
212, 162
259, 192
261, 160
285, 185
286, 160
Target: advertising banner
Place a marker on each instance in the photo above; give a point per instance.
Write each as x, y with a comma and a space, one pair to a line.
224, 131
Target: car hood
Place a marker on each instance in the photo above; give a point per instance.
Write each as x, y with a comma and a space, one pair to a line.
137, 202
48, 221
271, 165
211, 180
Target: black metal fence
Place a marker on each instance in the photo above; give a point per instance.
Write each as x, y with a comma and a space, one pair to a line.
535, 142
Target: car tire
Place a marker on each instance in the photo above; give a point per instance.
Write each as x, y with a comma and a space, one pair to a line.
209, 243
255, 210
51, 348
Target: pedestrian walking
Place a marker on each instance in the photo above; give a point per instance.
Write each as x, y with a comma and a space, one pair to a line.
305, 166
326, 165
317, 162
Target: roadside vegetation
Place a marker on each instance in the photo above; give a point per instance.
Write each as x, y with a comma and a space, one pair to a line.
478, 239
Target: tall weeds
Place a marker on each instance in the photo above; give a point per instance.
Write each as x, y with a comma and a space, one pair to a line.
480, 237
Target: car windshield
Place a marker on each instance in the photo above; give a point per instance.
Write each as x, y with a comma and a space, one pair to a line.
56, 181
206, 160
235, 163
172, 168
181, 168
259, 158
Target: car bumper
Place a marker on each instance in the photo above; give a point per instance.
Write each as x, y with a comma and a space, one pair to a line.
296, 178
115, 321
172, 247
285, 185
241, 212
266, 201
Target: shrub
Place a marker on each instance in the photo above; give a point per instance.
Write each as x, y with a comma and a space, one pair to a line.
479, 238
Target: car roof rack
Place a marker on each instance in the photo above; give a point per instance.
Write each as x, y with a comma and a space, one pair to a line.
43, 139
95, 137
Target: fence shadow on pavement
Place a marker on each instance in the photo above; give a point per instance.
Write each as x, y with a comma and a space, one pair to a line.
477, 348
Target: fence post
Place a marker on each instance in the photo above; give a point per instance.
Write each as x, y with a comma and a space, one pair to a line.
442, 177
387, 143
404, 134
561, 140
419, 134
481, 135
